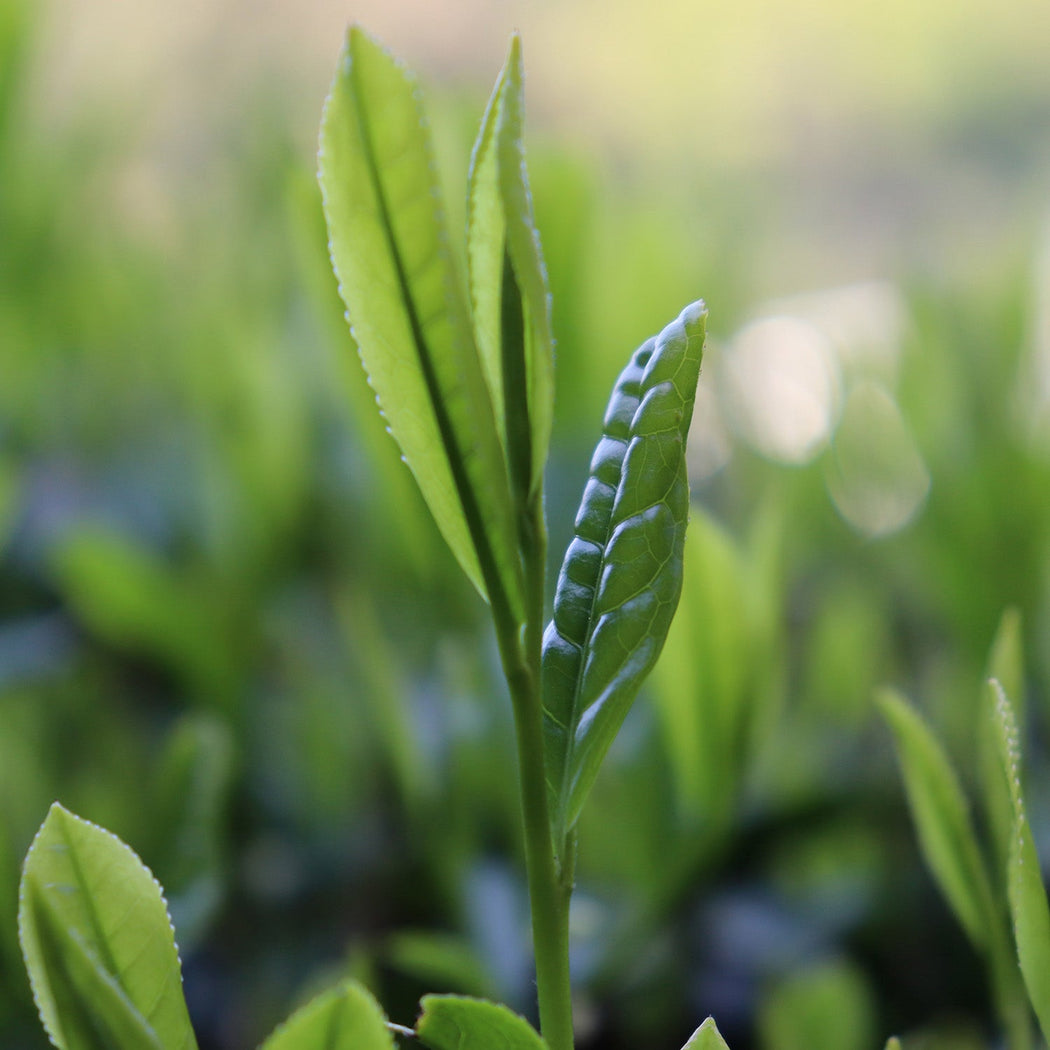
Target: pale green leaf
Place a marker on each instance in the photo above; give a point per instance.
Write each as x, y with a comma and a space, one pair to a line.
343, 1018
92, 920
893, 1043
88, 1008
942, 819
451, 1022
508, 281
622, 575
390, 252
706, 1037
1006, 664
1027, 894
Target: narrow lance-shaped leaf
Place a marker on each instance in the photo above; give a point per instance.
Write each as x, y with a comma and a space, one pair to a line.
1027, 894
98, 942
622, 575
344, 1018
942, 819
1005, 663
390, 251
508, 281
453, 1022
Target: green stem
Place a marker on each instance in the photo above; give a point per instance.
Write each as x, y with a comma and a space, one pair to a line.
549, 893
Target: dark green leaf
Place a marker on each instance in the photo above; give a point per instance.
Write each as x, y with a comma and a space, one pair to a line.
508, 281
98, 942
451, 1022
390, 251
622, 575
345, 1018
1027, 894
942, 819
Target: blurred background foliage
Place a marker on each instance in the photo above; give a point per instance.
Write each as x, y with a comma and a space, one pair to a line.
230, 633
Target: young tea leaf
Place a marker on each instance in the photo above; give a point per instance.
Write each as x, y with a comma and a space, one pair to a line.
1027, 894
451, 1022
942, 819
343, 1018
622, 575
98, 942
706, 1037
508, 281
390, 252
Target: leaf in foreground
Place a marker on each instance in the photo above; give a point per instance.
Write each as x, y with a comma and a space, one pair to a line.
1027, 894
390, 252
942, 820
622, 575
508, 281
344, 1018
452, 1022
98, 943
706, 1037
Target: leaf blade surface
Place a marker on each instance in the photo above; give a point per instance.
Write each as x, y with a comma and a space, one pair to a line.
343, 1018
389, 249
452, 1022
91, 915
622, 574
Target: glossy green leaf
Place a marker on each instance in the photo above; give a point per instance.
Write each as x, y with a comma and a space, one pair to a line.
1027, 894
389, 248
942, 819
451, 1022
98, 942
706, 1037
508, 281
344, 1018
622, 575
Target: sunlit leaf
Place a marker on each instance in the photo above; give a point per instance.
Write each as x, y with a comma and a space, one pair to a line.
706, 1037
452, 1022
344, 1018
508, 281
622, 575
942, 819
390, 251
1027, 894
98, 942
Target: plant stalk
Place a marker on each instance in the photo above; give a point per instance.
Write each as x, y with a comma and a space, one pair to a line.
549, 894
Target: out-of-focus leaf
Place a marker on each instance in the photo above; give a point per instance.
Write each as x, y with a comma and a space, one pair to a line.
345, 1018
438, 960
706, 1037
1027, 894
829, 1006
701, 677
192, 786
622, 575
1006, 665
893, 1043
508, 281
452, 1022
130, 598
98, 942
390, 252
942, 820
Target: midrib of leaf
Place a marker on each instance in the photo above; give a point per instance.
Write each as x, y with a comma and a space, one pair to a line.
453, 454
94, 918
575, 713
515, 379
